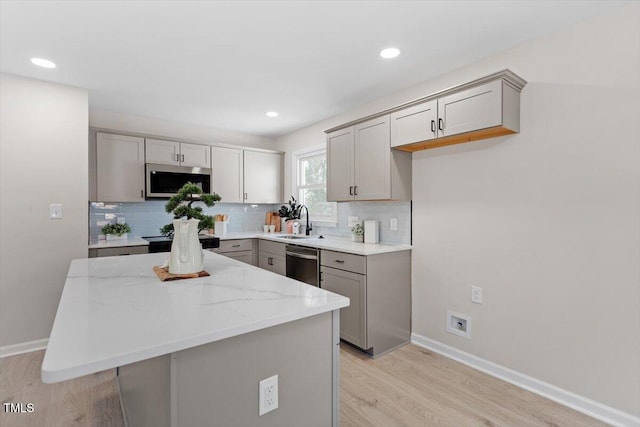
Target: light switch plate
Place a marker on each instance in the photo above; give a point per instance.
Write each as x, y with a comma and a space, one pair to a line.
353, 220
55, 211
393, 224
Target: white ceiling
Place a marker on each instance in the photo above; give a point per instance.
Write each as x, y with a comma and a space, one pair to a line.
224, 64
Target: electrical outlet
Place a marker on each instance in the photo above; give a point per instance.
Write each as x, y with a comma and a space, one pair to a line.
476, 294
393, 224
458, 324
268, 395
353, 220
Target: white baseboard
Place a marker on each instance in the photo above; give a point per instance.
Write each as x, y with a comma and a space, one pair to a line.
582, 404
25, 347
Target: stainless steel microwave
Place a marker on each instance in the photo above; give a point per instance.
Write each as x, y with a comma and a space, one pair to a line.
164, 181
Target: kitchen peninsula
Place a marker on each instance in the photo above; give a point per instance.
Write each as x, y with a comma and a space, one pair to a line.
192, 352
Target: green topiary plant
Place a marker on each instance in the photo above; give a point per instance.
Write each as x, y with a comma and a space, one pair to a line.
116, 229
190, 193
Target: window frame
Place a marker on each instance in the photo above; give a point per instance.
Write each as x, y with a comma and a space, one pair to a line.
295, 180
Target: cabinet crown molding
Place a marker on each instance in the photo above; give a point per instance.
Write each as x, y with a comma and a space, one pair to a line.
508, 76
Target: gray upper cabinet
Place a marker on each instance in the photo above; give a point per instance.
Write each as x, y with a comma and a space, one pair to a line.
469, 110
177, 153
119, 168
414, 124
484, 108
361, 165
227, 174
340, 175
244, 176
262, 177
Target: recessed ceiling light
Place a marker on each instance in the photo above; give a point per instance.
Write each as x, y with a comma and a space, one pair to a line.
272, 114
43, 63
390, 52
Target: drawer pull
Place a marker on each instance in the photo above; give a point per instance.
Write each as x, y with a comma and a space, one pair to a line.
339, 261
235, 246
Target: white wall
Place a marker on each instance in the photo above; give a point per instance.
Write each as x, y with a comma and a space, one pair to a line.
43, 158
182, 131
546, 221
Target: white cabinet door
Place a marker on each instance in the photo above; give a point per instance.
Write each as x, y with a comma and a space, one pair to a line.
227, 174
120, 168
469, 110
414, 124
340, 178
195, 155
372, 166
353, 319
162, 152
262, 177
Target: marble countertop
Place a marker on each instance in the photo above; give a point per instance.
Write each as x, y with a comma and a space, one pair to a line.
115, 311
329, 242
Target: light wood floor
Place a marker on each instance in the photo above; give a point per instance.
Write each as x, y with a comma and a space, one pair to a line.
408, 387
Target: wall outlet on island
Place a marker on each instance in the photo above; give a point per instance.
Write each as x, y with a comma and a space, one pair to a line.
268, 395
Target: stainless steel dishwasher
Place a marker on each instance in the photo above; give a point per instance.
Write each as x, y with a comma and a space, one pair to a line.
303, 264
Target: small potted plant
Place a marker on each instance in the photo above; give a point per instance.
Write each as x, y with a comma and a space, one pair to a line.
290, 213
116, 231
357, 233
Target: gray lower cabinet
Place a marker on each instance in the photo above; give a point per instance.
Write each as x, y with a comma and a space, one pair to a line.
272, 256
122, 250
378, 318
353, 319
240, 249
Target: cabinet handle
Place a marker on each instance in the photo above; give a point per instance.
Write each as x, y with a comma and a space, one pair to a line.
351, 190
339, 261
433, 126
440, 124
177, 157
235, 246
322, 276
355, 190
141, 194
182, 157
245, 196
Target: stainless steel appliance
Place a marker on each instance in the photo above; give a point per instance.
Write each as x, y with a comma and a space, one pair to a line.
303, 264
164, 181
163, 243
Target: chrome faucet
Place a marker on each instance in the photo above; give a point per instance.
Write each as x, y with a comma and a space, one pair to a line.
308, 227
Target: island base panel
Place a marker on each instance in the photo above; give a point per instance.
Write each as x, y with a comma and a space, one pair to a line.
217, 383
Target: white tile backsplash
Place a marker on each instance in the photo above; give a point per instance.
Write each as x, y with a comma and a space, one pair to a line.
146, 218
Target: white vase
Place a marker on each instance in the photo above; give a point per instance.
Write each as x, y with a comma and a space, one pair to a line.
186, 252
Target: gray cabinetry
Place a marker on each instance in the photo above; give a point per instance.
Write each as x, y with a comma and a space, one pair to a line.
227, 174
272, 256
119, 168
240, 249
483, 108
353, 319
361, 165
175, 153
414, 124
262, 177
118, 251
378, 318
244, 176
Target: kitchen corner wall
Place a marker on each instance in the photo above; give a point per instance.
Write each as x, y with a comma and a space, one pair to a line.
545, 221
43, 160
146, 218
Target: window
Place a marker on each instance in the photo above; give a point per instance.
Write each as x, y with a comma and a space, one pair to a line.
311, 185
